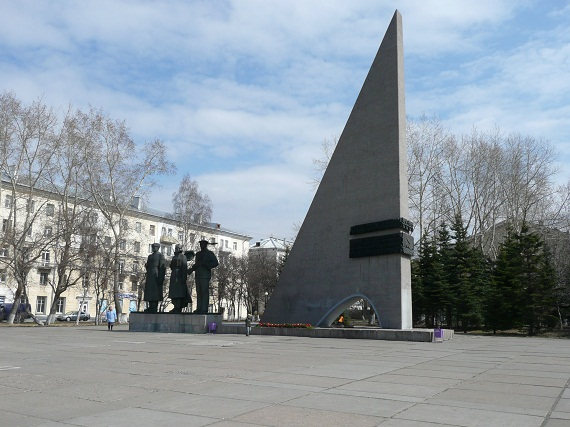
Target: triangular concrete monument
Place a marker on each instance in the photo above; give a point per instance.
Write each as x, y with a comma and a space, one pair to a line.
354, 242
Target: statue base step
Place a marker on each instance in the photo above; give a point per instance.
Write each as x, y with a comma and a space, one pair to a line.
188, 323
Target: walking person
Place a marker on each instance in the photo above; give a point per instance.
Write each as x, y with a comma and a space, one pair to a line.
111, 318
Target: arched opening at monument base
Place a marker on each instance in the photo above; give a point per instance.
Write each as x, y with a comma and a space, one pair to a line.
359, 303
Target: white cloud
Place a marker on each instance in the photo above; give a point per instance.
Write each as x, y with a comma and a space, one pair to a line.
235, 86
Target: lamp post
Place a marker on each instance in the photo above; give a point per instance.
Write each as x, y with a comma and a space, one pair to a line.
265, 304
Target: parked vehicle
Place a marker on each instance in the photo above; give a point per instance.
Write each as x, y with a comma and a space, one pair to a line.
22, 313
72, 316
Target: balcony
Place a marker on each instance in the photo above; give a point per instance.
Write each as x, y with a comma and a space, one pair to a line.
167, 239
45, 265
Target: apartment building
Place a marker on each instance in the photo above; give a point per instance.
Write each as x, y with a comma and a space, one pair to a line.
39, 217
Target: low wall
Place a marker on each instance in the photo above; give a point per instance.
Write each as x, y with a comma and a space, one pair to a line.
169, 322
420, 335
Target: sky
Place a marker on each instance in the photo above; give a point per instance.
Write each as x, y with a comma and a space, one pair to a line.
244, 92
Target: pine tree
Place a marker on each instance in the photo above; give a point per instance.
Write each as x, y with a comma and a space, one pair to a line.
503, 309
467, 277
431, 274
537, 279
448, 299
522, 293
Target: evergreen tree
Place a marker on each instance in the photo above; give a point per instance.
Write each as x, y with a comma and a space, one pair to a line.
467, 277
448, 289
431, 274
537, 280
503, 296
522, 291
418, 304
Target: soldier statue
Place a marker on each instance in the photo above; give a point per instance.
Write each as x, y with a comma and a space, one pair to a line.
205, 261
178, 291
155, 272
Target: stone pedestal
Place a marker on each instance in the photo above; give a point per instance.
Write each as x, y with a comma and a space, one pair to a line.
170, 322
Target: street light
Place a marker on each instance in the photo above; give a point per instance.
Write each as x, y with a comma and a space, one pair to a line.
265, 305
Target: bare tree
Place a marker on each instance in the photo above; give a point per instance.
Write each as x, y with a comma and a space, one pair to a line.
28, 140
191, 207
117, 172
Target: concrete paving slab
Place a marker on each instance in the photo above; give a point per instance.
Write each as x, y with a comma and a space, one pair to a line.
140, 417
280, 415
344, 370
522, 379
560, 415
382, 388
434, 373
563, 405
205, 406
350, 404
392, 422
249, 392
480, 400
414, 380
556, 423
498, 399
507, 388
36, 404
467, 417
308, 380
566, 394
8, 418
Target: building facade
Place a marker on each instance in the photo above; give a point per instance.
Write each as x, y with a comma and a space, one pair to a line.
38, 221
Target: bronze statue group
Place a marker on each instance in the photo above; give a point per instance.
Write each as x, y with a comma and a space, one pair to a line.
204, 261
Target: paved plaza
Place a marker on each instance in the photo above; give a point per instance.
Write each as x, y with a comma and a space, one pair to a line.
87, 376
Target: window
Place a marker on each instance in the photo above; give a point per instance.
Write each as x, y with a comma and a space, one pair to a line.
8, 201
221, 243
169, 250
235, 246
44, 278
60, 305
29, 231
2, 276
121, 266
4, 252
107, 241
138, 227
5, 224
226, 244
41, 304
133, 285
30, 206
93, 217
170, 232
135, 267
121, 284
2, 299
123, 245
151, 230
181, 236
125, 224
137, 246
50, 209
150, 248
163, 231
45, 257
48, 231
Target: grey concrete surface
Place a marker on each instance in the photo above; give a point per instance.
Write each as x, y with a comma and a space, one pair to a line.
87, 376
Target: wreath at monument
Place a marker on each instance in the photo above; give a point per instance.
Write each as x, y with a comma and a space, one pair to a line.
284, 325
